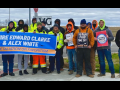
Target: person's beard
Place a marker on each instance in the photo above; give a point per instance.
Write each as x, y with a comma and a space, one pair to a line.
83, 27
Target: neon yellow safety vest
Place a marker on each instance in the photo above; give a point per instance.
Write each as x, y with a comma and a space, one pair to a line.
59, 39
33, 28
43, 31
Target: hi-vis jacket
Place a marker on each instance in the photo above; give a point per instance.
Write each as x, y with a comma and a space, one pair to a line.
32, 28
13, 30
60, 39
42, 31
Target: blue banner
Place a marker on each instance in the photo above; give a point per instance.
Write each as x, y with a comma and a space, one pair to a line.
27, 43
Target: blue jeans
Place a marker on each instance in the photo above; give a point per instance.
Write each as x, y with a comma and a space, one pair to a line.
9, 58
72, 56
119, 53
52, 61
107, 54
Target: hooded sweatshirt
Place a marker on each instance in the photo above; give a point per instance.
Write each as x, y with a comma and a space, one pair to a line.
109, 33
20, 27
75, 27
90, 36
12, 29
62, 30
25, 25
33, 26
93, 28
67, 32
90, 24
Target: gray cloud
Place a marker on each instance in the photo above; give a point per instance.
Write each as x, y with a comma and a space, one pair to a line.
110, 15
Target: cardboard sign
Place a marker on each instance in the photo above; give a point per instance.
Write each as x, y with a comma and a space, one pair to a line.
102, 39
82, 40
70, 36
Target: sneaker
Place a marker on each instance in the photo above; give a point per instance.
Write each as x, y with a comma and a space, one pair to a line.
70, 72
92, 76
25, 72
50, 71
100, 75
4, 74
11, 74
113, 76
20, 73
77, 75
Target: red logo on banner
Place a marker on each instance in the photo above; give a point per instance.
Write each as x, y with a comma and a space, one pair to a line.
36, 10
102, 39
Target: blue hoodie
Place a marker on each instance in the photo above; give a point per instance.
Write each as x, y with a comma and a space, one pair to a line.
91, 24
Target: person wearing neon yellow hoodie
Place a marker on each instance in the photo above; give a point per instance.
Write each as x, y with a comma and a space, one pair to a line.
8, 58
105, 50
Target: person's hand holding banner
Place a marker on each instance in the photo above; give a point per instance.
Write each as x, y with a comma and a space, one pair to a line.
107, 36
95, 39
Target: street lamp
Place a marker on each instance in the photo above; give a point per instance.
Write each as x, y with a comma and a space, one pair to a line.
29, 16
9, 14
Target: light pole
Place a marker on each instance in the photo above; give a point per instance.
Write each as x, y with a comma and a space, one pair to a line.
29, 16
9, 14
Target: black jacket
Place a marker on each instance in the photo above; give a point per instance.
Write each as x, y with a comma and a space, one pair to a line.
19, 27
60, 28
45, 29
117, 38
75, 27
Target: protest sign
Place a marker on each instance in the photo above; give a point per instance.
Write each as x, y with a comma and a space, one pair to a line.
102, 39
70, 36
82, 40
27, 43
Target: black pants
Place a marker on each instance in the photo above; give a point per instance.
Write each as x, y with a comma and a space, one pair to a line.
61, 59
31, 59
83, 54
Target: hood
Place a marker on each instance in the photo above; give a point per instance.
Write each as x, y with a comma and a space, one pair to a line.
34, 18
103, 25
58, 20
96, 24
71, 21
20, 21
71, 28
25, 25
90, 24
11, 22
15, 24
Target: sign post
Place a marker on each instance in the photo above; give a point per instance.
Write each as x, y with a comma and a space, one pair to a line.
47, 19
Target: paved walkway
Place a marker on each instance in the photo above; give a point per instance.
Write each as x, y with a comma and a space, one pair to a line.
54, 76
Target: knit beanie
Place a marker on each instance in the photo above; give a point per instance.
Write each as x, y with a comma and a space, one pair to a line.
39, 23
83, 21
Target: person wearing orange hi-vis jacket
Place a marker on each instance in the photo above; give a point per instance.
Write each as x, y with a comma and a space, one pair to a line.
39, 58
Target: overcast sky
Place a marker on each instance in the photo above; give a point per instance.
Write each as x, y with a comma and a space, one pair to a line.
110, 15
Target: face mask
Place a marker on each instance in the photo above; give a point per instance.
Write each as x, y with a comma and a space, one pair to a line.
21, 25
94, 25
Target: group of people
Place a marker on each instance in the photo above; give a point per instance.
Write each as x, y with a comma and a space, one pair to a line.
81, 60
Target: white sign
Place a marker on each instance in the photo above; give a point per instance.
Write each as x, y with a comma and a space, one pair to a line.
70, 36
47, 19
102, 39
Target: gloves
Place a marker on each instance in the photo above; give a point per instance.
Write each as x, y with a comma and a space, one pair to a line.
55, 34
7, 31
66, 40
